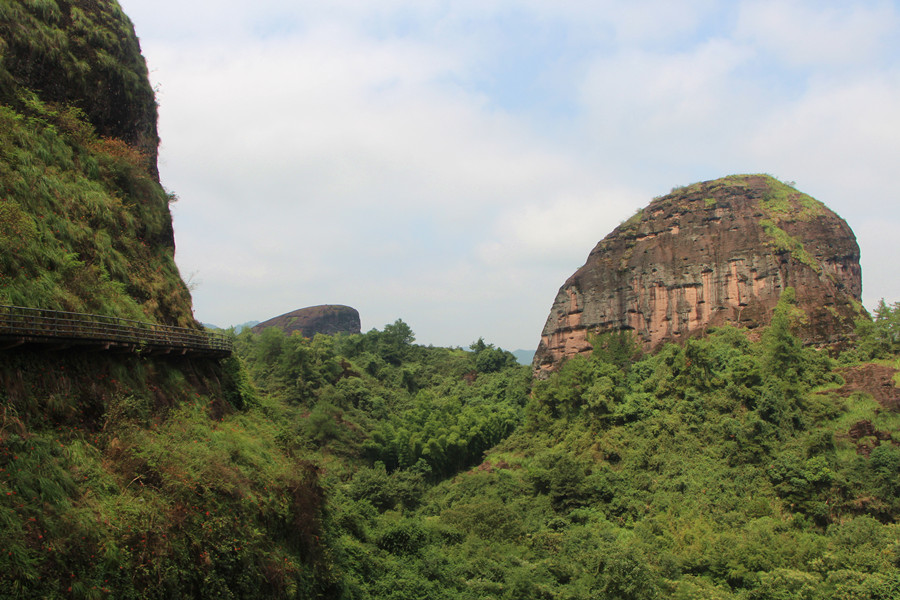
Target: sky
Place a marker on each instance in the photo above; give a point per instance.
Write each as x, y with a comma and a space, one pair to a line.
451, 164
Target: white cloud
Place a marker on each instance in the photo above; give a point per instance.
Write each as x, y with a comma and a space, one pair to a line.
851, 129
549, 232
453, 164
655, 93
804, 33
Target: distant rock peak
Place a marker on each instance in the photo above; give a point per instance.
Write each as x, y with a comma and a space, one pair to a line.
704, 255
328, 319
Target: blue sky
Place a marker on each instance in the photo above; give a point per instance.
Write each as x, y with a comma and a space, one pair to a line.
452, 163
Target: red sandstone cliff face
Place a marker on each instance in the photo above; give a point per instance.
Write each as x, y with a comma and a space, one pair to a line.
712, 253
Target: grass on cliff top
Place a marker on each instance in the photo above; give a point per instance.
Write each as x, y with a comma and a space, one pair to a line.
783, 202
780, 203
782, 241
84, 224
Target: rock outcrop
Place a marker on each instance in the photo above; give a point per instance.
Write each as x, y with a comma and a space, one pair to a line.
328, 319
708, 254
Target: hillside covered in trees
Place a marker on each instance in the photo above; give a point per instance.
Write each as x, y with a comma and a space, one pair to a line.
724, 468
367, 466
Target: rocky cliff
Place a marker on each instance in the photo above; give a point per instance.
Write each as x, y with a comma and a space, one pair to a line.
328, 319
711, 253
84, 223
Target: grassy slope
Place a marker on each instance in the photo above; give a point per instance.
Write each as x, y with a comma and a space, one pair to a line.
80, 53
84, 223
120, 476
132, 478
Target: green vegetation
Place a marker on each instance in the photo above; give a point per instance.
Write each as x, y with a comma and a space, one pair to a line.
379, 397
782, 202
83, 54
84, 223
878, 338
720, 469
131, 478
89, 227
782, 241
137, 478
368, 466
631, 224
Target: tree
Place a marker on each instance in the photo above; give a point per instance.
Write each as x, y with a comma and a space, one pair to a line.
879, 337
395, 341
782, 351
619, 348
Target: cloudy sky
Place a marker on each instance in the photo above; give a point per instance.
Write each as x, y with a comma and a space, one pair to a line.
452, 163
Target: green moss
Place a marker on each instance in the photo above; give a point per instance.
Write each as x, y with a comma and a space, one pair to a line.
782, 202
738, 180
80, 203
631, 224
82, 53
782, 241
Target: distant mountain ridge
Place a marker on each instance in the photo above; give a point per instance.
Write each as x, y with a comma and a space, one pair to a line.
525, 357
237, 328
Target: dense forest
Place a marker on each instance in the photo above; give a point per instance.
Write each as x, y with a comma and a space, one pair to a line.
737, 465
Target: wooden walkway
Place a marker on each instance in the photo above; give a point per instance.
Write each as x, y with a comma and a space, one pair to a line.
57, 330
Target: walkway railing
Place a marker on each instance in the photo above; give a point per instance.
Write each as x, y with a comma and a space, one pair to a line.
20, 325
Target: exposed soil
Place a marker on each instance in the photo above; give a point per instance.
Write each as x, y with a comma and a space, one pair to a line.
877, 380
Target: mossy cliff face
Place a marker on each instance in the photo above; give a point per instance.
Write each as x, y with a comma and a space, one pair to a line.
81, 53
708, 254
84, 223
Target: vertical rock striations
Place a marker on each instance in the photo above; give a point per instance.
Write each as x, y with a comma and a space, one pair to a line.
708, 254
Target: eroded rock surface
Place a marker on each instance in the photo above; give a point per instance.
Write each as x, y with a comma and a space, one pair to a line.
711, 253
328, 319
